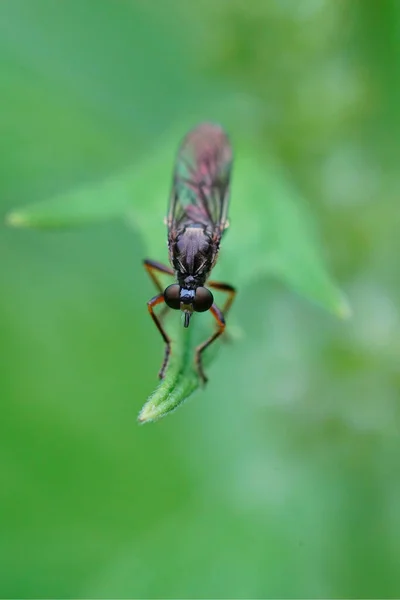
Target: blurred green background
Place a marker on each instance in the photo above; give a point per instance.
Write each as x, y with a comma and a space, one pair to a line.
282, 479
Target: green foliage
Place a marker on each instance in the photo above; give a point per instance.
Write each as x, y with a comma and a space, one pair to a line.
280, 478
271, 236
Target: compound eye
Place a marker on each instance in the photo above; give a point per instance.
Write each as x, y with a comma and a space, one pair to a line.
203, 300
171, 296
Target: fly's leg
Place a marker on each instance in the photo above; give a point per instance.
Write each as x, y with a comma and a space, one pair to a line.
230, 290
153, 266
150, 305
224, 287
219, 317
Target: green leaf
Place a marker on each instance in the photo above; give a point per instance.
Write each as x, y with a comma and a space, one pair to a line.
181, 378
271, 235
274, 234
91, 203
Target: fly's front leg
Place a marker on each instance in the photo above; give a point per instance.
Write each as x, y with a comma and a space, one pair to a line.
228, 289
219, 317
152, 266
150, 305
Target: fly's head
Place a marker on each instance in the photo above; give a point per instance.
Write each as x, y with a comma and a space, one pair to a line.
188, 301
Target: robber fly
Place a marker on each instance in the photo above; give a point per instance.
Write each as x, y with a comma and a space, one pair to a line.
196, 221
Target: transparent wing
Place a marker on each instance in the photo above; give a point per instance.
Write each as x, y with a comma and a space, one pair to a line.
200, 191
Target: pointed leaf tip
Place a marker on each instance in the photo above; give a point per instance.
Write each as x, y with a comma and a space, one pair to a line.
181, 378
16, 219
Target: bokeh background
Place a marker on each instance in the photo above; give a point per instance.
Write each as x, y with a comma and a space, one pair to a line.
283, 478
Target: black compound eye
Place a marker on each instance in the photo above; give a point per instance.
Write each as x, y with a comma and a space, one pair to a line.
171, 296
203, 299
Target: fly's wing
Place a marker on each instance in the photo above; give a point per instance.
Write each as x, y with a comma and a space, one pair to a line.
200, 191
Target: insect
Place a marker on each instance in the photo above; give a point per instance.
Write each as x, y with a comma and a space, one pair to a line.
196, 221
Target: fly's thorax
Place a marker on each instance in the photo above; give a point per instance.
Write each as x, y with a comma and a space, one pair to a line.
191, 282
192, 251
